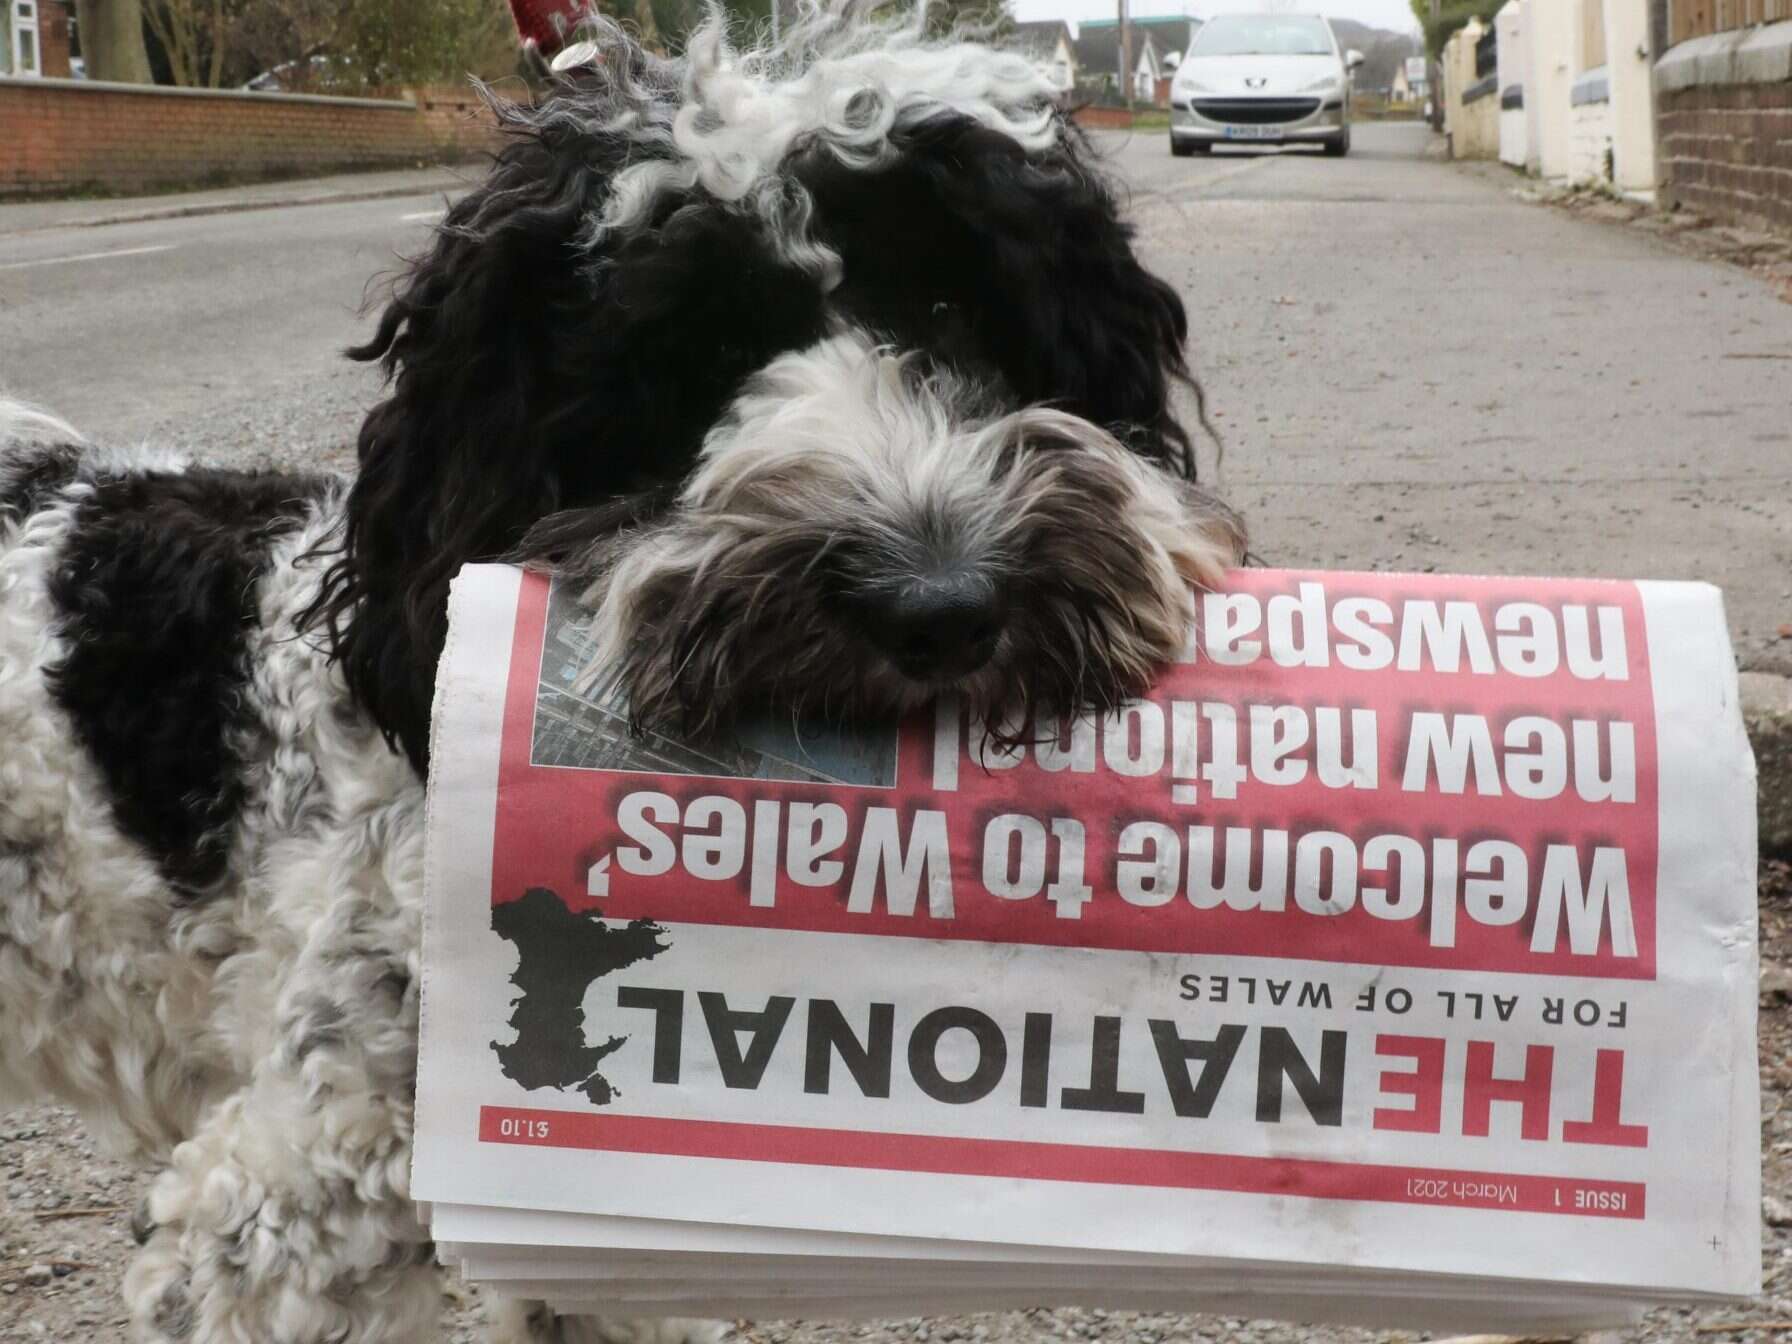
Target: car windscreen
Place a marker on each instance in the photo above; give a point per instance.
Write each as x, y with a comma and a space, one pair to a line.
1263, 35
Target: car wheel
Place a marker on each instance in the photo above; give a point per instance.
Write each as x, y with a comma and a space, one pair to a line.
1339, 147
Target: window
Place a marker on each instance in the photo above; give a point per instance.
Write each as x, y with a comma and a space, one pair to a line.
1592, 37
1264, 35
24, 38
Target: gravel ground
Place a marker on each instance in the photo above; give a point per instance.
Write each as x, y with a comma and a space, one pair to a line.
65, 1234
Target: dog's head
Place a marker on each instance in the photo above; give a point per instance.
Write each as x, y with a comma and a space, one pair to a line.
829, 369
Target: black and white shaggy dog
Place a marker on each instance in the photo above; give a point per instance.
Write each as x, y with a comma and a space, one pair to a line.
829, 368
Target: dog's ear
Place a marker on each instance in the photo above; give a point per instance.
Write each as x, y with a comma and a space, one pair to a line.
1025, 254
1126, 331
1091, 328
541, 361
468, 447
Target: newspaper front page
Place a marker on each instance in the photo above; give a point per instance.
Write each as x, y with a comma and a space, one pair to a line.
1407, 926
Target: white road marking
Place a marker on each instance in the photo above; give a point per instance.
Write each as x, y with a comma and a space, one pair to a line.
420, 215
88, 256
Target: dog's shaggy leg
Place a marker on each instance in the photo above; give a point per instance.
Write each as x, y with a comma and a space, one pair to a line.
253, 1266
286, 1218
514, 1322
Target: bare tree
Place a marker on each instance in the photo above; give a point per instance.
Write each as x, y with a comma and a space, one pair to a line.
647, 28
351, 46
112, 40
195, 36
270, 33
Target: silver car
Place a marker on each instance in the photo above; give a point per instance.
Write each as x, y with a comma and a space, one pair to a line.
1262, 78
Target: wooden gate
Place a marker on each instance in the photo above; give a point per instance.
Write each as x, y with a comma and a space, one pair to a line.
1695, 18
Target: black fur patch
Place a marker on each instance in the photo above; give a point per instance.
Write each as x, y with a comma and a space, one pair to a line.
156, 594
1012, 266
30, 476
531, 374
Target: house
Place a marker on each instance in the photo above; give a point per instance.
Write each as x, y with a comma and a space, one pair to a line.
1566, 111
1051, 48
1170, 34
1512, 52
1469, 79
1157, 45
34, 39
1409, 81
1678, 100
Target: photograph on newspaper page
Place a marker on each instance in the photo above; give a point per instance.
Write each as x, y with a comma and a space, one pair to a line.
1405, 916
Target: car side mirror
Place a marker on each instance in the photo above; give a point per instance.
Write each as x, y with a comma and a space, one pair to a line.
1352, 59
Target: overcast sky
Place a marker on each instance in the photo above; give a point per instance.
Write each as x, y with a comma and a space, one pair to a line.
1394, 14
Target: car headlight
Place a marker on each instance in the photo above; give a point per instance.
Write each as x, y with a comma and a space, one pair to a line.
1190, 86
1326, 85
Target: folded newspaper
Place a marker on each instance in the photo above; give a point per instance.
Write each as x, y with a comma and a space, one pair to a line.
1392, 962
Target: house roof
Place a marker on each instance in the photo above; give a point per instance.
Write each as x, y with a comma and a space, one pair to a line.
1040, 39
1098, 47
1169, 32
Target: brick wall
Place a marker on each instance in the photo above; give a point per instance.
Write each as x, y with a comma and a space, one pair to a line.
1726, 151
1103, 118
456, 121
73, 136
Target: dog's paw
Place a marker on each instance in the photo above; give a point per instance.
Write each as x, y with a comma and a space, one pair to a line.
156, 1289
535, 1323
660, 1330
143, 1224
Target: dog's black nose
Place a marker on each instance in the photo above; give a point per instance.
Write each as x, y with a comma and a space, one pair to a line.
944, 625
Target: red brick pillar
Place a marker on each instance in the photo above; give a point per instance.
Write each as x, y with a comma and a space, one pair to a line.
52, 37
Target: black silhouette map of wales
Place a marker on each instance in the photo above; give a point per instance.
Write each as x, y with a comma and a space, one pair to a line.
561, 955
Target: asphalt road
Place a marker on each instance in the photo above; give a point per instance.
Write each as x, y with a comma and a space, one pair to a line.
222, 334
1409, 367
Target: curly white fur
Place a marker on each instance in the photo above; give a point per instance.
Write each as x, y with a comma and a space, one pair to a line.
261, 1045
834, 81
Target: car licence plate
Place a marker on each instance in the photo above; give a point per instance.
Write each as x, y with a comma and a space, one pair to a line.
1253, 132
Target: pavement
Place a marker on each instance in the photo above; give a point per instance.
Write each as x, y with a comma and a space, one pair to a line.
1414, 367
93, 212
1410, 367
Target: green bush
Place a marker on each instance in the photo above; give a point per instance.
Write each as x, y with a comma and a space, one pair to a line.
1451, 18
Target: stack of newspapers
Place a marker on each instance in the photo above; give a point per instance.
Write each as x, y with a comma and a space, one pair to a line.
1391, 962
